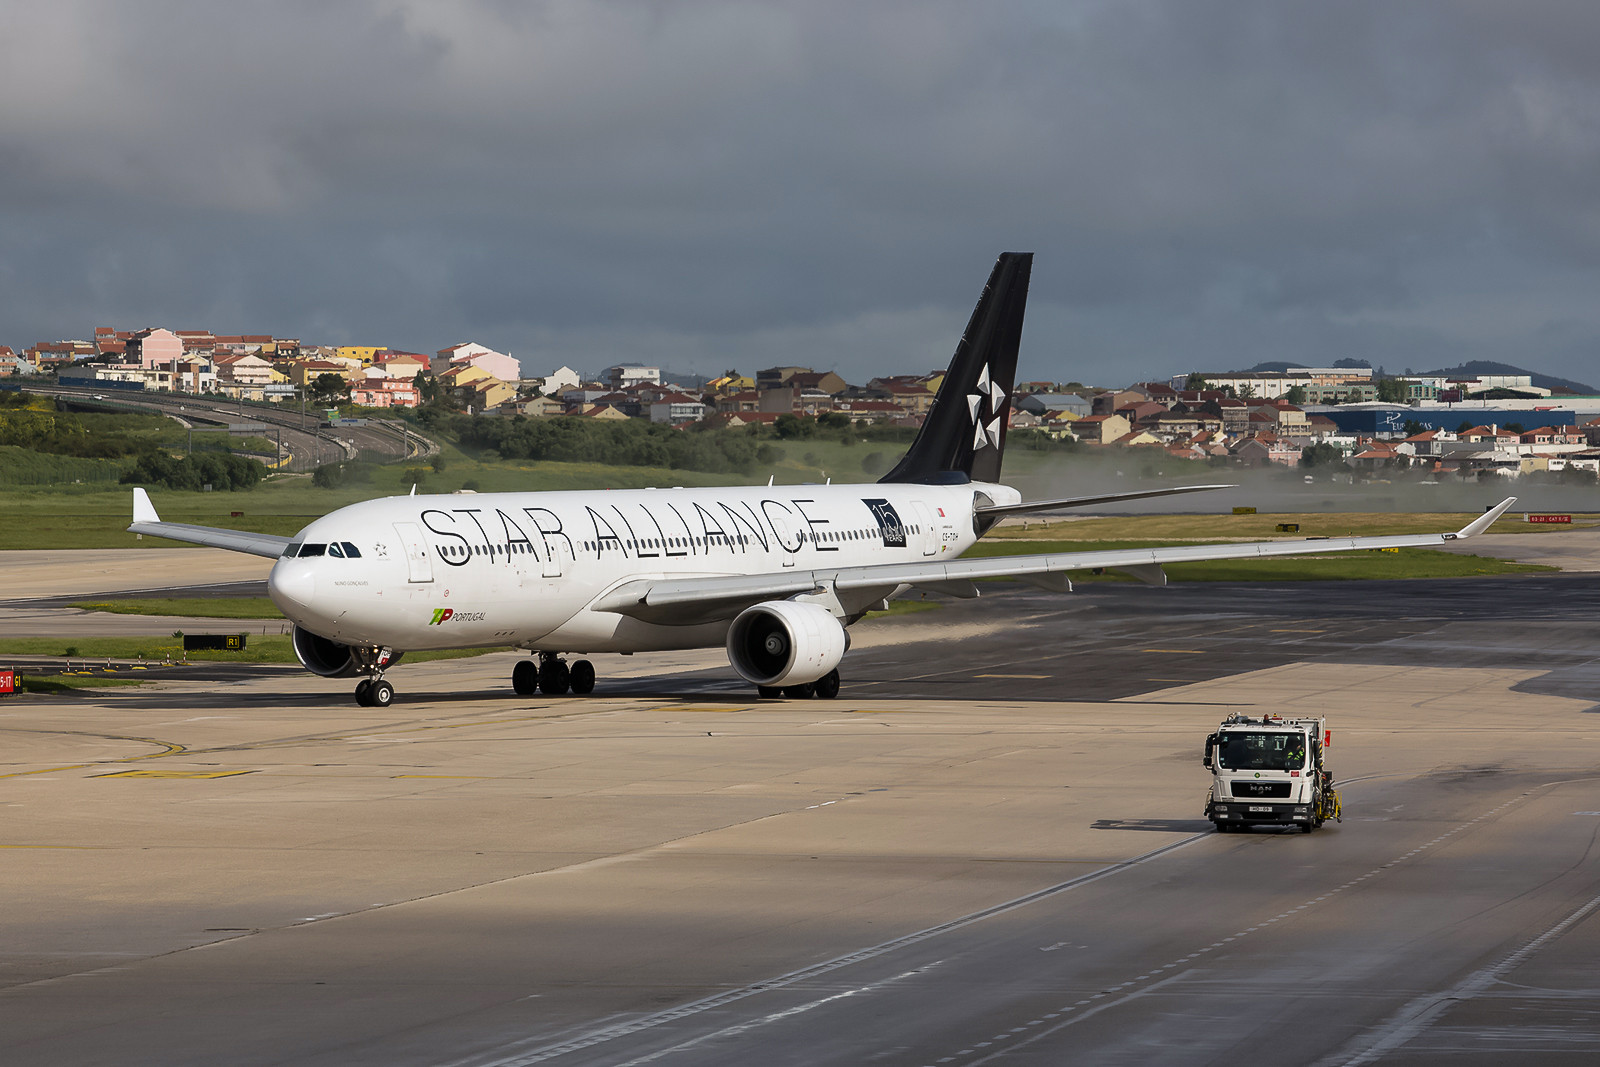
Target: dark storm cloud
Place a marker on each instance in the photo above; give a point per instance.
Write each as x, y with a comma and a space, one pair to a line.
709, 184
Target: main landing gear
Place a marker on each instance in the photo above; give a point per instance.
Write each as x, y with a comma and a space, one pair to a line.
552, 676
826, 687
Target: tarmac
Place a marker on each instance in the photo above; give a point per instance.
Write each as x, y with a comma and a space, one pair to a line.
989, 849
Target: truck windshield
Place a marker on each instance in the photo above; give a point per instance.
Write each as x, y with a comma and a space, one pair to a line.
1239, 750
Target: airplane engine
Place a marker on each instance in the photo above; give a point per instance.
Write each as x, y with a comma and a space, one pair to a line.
330, 659
784, 642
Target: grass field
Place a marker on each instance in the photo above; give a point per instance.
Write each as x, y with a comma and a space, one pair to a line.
64, 683
194, 607
269, 648
1262, 527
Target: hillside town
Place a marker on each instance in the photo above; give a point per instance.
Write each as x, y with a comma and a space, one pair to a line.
1345, 418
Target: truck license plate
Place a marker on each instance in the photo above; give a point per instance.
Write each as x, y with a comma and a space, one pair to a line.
1261, 807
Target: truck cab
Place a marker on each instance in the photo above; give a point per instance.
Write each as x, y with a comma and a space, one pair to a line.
1269, 772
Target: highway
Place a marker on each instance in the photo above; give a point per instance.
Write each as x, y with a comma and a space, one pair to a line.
988, 850
309, 444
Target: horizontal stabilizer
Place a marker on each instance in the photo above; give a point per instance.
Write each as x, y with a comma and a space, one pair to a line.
999, 510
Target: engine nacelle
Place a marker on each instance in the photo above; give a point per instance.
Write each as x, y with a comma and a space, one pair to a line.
785, 642
329, 658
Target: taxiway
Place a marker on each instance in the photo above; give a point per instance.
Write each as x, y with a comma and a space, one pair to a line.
988, 850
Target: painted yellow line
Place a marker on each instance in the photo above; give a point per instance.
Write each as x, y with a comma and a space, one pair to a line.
468, 777
63, 848
1013, 676
721, 708
171, 774
47, 770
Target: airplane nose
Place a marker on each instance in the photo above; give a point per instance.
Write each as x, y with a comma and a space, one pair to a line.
291, 586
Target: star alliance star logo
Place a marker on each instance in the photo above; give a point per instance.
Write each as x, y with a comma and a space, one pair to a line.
986, 433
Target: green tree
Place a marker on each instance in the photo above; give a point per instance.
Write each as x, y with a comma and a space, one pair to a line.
1195, 383
426, 385
1296, 395
329, 388
1321, 454
790, 427
1392, 390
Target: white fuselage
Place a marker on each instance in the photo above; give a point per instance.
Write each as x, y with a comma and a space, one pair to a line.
458, 571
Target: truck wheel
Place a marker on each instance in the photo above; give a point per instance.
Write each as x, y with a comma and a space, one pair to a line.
1307, 827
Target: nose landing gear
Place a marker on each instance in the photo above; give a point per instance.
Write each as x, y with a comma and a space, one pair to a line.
375, 692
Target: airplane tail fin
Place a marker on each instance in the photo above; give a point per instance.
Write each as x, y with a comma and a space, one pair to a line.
965, 431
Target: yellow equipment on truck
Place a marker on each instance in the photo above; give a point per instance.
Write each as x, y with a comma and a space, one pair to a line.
1270, 772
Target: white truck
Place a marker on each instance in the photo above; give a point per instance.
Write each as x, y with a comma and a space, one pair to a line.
1269, 772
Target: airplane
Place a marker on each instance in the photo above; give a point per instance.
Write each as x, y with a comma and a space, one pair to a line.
774, 574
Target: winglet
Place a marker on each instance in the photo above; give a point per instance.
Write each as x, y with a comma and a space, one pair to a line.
1486, 520
143, 510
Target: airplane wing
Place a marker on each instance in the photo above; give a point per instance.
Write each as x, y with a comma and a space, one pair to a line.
146, 521
689, 600
1029, 506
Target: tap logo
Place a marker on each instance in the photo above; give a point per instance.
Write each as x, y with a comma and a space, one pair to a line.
444, 615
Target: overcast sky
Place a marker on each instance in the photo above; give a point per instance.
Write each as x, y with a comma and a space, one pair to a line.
705, 185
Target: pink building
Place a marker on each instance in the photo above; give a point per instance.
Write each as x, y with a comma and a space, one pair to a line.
497, 364
154, 347
382, 391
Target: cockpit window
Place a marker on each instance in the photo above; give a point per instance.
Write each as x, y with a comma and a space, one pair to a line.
350, 550
292, 550
335, 550
312, 550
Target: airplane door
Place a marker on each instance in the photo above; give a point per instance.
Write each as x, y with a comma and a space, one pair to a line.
417, 558
781, 532
556, 556
927, 533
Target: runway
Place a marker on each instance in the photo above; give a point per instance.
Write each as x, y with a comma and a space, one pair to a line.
988, 850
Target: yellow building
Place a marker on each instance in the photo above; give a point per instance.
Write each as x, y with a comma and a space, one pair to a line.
363, 353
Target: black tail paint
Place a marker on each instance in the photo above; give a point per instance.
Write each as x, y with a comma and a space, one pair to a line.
965, 431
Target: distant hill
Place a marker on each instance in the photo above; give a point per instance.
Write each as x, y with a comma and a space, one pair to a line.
1281, 366
1543, 381
1465, 370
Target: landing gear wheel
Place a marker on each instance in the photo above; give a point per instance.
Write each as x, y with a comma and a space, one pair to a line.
827, 687
381, 695
582, 677
554, 678
768, 691
800, 692
364, 692
525, 678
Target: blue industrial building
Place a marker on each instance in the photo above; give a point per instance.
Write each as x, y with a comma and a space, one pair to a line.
1392, 420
